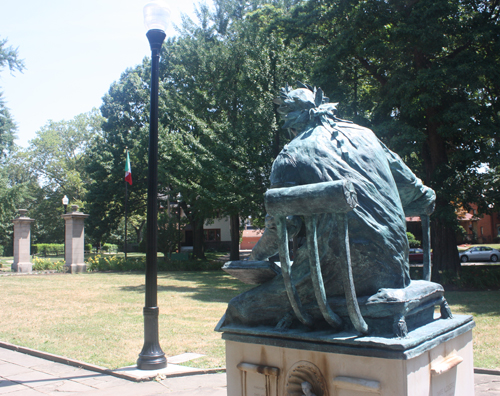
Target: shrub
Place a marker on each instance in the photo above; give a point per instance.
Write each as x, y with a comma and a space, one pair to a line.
476, 277
109, 248
479, 277
48, 249
40, 264
412, 241
88, 247
8, 250
1, 250
119, 264
189, 265
114, 263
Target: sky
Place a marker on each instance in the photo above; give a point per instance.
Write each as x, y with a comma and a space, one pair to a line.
73, 51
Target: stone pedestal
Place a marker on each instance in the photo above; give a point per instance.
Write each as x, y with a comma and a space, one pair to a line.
74, 240
435, 359
22, 243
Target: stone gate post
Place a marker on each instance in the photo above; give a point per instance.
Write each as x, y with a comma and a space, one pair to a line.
22, 242
75, 240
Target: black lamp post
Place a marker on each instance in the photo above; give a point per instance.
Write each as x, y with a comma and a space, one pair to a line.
65, 202
156, 16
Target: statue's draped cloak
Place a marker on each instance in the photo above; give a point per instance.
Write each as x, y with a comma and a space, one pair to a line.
377, 227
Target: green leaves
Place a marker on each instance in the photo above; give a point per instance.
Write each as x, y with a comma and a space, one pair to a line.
420, 74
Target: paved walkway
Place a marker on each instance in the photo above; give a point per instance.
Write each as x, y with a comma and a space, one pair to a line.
25, 375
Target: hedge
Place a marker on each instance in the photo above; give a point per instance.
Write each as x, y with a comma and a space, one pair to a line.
110, 248
48, 249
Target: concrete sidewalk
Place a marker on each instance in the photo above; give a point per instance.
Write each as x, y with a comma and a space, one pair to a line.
26, 375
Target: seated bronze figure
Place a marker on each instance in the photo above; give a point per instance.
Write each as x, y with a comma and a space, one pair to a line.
353, 193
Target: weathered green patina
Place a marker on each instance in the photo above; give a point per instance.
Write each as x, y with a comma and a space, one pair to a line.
353, 193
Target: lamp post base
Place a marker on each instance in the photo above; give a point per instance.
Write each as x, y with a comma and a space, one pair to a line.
151, 356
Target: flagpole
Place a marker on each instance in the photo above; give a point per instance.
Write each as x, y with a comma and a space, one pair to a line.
126, 201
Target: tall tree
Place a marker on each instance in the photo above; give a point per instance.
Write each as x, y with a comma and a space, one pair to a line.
7, 130
13, 192
222, 75
423, 75
57, 157
9, 58
126, 111
18, 189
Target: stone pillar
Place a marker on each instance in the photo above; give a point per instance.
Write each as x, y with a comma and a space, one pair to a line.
22, 243
75, 240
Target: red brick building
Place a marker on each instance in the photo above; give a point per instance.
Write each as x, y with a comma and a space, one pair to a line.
478, 228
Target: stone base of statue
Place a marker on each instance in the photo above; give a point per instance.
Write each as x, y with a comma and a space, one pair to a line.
435, 359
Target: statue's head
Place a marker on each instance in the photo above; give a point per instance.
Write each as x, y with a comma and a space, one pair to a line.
295, 100
298, 106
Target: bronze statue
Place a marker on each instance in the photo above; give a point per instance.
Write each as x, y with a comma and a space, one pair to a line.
358, 191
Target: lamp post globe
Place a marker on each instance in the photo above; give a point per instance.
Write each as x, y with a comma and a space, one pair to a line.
156, 15
65, 202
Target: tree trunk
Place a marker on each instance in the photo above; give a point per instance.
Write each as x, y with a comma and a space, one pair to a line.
138, 231
443, 236
198, 239
235, 237
445, 254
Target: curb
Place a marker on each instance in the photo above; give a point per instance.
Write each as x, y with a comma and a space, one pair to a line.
486, 371
98, 369
103, 370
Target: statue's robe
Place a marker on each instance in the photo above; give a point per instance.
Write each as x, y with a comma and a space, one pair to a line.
377, 227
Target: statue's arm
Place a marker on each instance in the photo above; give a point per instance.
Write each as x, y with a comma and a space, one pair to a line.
416, 198
267, 245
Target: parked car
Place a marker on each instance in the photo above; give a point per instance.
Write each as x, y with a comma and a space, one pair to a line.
417, 255
479, 253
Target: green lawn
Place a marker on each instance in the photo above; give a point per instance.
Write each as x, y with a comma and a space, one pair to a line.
484, 306
492, 245
5, 263
97, 318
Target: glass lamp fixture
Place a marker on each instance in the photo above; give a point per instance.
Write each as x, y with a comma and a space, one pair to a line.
65, 200
156, 15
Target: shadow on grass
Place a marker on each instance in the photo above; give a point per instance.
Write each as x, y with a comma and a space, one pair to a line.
476, 302
210, 286
217, 286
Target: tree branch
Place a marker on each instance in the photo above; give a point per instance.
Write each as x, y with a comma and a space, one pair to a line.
381, 79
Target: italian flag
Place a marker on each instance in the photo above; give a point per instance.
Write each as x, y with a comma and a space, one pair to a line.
128, 171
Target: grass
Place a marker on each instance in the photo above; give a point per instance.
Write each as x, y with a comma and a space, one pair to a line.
491, 245
485, 307
97, 318
5, 263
